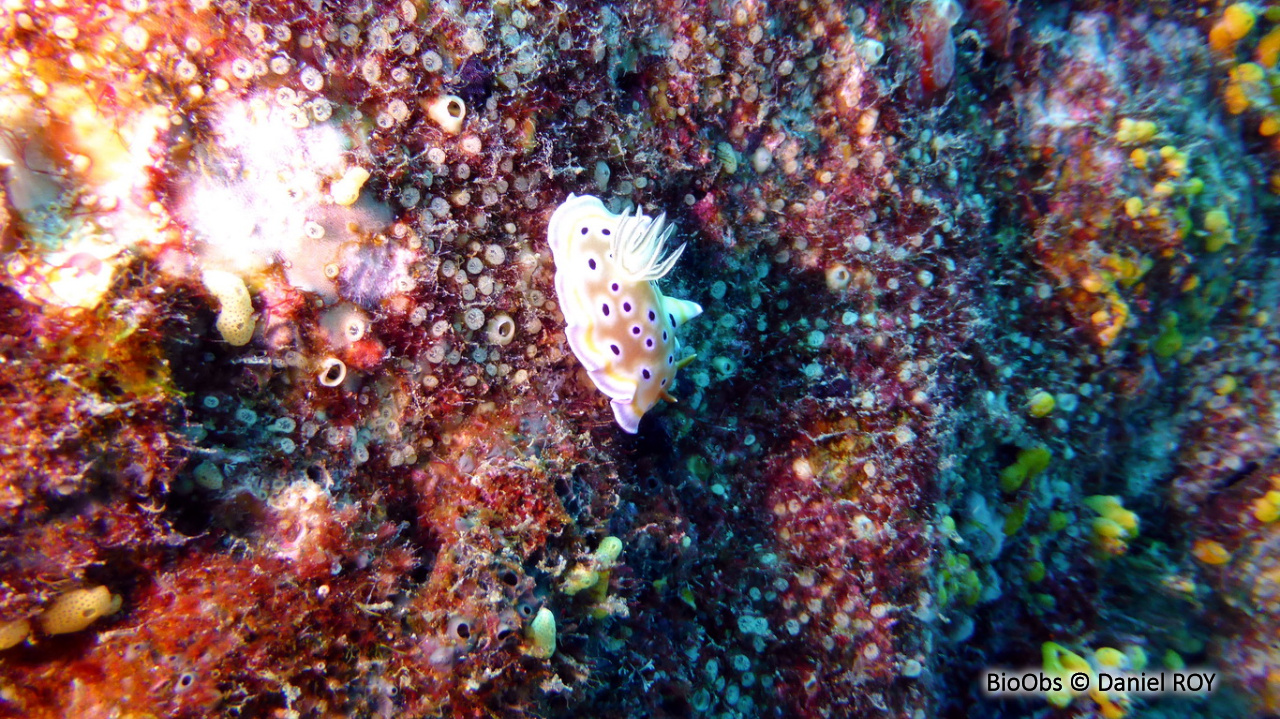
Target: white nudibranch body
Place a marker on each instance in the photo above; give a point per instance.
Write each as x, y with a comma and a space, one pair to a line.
620, 326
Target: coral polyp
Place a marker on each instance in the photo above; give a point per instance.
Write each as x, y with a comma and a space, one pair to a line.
338, 344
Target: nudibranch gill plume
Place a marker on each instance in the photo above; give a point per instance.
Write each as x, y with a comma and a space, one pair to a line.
620, 326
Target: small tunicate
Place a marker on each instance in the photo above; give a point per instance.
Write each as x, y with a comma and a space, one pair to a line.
432, 62
286, 445
495, 255
242, 68
371, 70
136, 38
354, 328
436, 353
718, 289
246, 416
469, 292
602, 175
296, 117
332, 372
208, 475
761, 159
334, 436
185, 71
838, 277
862, 243
283, 424
210, 402
440, 207
501, 330
448, 112
485, 285
724, 366
398, 110
321, 109
473, 318
255, 33
439, 327
473, 40
475, 266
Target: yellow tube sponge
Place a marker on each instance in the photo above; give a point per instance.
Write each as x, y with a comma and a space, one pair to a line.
77, 609
1061, 662
1236, 22
1031, 462
542, 634
447, 111
13, 633
346, 190
608, 552
235, 317
1114, 526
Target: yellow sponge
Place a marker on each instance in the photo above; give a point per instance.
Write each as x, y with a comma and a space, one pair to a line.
235, 319
77, 609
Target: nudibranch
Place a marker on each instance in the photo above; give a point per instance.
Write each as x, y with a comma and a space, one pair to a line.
620, 326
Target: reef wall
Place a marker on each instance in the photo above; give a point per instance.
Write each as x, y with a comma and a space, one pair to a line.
986, 375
